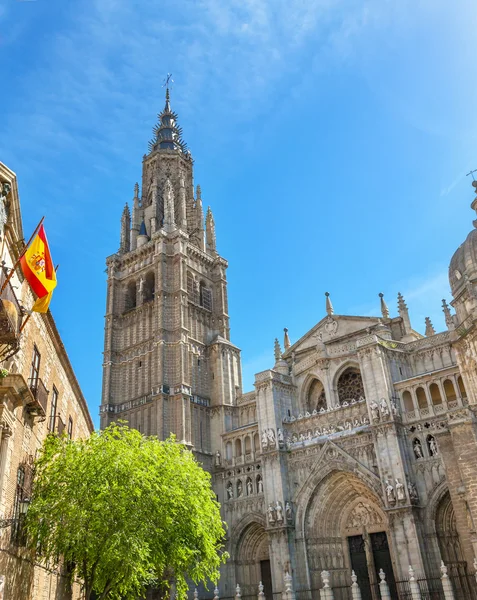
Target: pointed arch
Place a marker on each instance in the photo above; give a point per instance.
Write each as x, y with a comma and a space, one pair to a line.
348, 382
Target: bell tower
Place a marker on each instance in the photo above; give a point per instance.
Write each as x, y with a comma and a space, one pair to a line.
169, 365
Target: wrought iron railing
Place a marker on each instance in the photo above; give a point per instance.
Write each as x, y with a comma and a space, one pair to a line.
40, 393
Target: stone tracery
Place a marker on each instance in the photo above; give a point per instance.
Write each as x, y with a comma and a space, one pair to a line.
350, 385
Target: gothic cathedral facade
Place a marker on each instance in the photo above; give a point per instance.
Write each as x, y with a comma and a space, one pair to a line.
357, 450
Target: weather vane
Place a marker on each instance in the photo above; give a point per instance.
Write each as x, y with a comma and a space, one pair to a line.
472, 173
168, 81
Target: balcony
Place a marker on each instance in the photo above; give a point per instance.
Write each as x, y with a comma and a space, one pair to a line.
11, 315
40, 395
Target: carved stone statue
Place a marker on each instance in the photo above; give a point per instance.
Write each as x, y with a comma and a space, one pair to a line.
400, 492
271, 514
217, 459
264, 439
249, 488
374, 411
384, 408
271, 437
417, 449
260, 485
394, 408
230, 490
288, 512
390, 492
413, 495
433, 449
239, 488
281, 438
279, 512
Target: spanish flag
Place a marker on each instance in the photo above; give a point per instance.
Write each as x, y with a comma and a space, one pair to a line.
38, 269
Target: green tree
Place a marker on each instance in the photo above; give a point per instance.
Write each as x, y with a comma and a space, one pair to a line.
125, 511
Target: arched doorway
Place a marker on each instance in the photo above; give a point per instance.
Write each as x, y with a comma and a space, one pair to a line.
253, 561
450, 547
345, 528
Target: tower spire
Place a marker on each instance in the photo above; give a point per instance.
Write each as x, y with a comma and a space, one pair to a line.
286, 339
167, 133
125, 244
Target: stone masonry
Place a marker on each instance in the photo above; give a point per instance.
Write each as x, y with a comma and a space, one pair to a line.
356, 450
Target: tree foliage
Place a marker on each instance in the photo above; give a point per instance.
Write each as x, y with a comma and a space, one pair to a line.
126, 511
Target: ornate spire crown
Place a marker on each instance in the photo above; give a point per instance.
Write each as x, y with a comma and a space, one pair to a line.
167, 133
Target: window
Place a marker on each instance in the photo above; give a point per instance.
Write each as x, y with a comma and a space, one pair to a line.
54, 405
70, 428
130, 299
149, 288
35, 367
205, 296
350, 385
20, 496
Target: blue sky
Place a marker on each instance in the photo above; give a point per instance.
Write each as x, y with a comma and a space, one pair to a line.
331, 139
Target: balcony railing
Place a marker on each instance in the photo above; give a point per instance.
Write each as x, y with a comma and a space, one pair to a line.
11, 314
40, 394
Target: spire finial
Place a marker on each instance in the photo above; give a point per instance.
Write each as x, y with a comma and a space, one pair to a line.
401, 304
286, 339
429, 328
329, 306
277, 350
447, 315
210, 238
384, 307
136, 190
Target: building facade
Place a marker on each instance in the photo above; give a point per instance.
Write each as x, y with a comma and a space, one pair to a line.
39, 394
357, 450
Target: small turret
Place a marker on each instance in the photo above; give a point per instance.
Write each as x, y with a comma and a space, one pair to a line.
280, 364
210, 232
329, 307
125, 243
429, 327
384, 307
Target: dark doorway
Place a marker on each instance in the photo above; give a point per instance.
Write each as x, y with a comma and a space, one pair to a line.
359, 565
266, 575
382, 559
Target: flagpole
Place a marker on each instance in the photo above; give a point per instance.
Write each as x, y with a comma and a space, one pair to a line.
10, 275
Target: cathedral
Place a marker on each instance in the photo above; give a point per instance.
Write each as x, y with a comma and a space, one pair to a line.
356, 450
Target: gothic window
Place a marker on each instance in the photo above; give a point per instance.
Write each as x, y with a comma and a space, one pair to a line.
435, 394
256, 442
462, 391
205, 295
407, 401
149, 287
228, 450
238, 447
248, 445
190, 284
316, 396
350, 385
130, 300
449, 391
421, 397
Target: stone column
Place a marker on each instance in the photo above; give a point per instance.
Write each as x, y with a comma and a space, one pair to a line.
383, 586
326, 593
5, 434
415, 591
355, 591
2, 586
446, 583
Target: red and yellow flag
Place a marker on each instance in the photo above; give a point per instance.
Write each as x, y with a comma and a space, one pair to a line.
39, 271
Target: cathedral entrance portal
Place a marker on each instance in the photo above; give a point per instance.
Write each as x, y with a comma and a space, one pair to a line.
253, 561
345, 528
